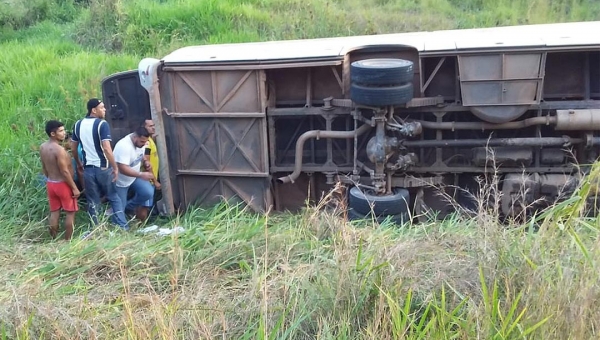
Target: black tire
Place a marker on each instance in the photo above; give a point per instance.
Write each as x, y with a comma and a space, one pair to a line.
384, 71
399, 219
394, 204
381, 96
353, 215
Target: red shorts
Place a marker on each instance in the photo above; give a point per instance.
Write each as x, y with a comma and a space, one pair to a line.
60, 195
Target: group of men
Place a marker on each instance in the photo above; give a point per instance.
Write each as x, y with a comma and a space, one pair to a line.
126, 177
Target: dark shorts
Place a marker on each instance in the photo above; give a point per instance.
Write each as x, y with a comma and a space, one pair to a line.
60, 196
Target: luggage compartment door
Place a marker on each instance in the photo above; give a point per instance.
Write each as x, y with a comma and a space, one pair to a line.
217, 139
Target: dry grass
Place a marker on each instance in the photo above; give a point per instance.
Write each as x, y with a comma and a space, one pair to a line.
237, 275
233, 274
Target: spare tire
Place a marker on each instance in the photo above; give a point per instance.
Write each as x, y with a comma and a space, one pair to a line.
381, 96
384, 71
394, 204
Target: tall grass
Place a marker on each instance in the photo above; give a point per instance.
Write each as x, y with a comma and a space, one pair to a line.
44, 76
18, 14
153, 28
234, 274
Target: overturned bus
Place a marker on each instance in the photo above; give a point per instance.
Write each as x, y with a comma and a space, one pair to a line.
395, 117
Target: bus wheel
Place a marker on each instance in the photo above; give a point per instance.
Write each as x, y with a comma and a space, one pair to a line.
365, 203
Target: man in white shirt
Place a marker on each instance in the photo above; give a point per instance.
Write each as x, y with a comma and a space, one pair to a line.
129, 155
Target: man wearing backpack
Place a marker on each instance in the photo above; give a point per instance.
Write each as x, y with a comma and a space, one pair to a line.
99, 167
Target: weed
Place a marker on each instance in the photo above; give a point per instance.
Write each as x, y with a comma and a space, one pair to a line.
235, 274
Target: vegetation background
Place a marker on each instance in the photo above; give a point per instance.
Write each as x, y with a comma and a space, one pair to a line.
234, 274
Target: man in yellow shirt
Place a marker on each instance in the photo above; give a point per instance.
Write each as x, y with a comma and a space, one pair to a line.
151, 151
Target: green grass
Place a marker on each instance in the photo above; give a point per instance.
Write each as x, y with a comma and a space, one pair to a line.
234, 274
311, 275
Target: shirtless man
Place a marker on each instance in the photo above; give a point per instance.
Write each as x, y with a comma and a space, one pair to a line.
62, 190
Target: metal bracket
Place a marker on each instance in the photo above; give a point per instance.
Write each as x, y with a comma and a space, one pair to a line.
329, 103
425, 101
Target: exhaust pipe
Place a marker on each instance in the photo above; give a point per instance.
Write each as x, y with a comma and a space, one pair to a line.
318, 134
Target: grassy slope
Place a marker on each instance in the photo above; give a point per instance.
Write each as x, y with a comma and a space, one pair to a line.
304, 275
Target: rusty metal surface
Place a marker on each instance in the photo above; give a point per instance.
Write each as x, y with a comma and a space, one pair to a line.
564, 76
305, 111
502, 156
490, 169
521, 192
552, 156
425, 83
426, 101
166, 205
220, 137
518, 192
548, 105
501, 79
546, 120
531, 141
210, 190
305, 86
415, 182
441, 76
307, 188
318, 134
222, 144
499, 114
285, 131
402, 181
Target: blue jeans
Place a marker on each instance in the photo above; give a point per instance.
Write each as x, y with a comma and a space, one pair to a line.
99, 181
143, 194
